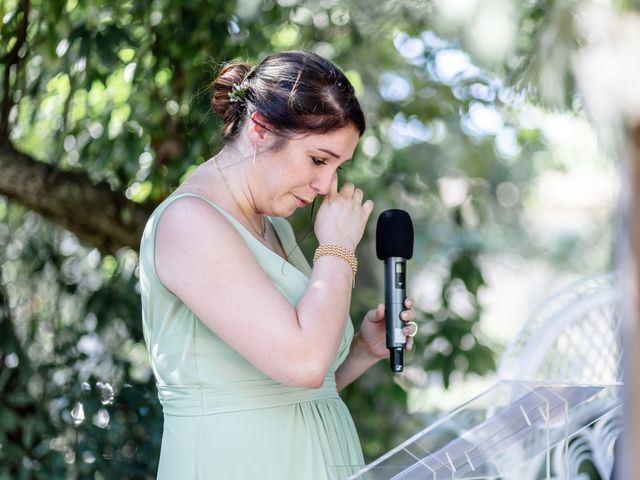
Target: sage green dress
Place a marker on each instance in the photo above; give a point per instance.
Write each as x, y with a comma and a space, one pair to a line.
224, 418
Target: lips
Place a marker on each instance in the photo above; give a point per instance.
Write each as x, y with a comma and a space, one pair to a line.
300, 201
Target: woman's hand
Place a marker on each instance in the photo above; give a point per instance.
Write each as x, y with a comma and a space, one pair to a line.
369, 345
342, 216
372, 334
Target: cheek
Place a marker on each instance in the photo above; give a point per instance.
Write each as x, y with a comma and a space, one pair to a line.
276, 183
285, 173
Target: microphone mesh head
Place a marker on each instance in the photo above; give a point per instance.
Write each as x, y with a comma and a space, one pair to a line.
394, 235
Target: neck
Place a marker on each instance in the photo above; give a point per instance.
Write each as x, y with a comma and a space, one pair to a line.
233, 170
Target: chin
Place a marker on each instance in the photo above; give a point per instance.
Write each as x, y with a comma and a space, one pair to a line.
282, 211
289, 212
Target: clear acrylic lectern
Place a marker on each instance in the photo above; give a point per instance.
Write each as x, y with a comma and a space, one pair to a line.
510, 428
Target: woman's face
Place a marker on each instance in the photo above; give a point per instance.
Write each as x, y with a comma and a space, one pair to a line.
304, 167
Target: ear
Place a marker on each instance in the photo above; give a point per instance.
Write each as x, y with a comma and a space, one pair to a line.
259, 126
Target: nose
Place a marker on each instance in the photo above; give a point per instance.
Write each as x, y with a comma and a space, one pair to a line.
322, 183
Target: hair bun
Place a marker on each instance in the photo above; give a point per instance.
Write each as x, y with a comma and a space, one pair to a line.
296, 92
230, 73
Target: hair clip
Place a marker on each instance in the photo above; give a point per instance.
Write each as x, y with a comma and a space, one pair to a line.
237, 92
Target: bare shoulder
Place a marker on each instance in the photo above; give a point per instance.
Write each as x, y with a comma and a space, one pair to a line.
191, 219
191, 236
189, 210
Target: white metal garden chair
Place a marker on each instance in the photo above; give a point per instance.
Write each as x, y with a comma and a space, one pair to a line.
574, 337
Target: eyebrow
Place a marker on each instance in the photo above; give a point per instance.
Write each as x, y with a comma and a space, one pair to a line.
331, 153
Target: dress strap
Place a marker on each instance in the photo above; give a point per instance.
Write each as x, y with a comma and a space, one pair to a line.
241, 228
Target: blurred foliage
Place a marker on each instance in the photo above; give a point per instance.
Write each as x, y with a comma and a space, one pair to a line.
119, 90
71, 334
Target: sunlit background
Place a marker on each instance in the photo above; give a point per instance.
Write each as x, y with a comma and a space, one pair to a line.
569, 211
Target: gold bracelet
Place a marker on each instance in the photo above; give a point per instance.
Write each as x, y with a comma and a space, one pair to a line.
340, 252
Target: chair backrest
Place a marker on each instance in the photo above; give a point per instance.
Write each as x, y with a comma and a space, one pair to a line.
575, 336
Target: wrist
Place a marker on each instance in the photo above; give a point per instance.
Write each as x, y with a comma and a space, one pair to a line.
342, 241
335, 250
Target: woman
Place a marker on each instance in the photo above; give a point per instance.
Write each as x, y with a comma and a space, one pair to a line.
248, 343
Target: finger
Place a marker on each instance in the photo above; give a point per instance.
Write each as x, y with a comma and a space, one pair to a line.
409, 345
368, 208
357, 195
375, 315
407, 331
347, 189
370, 316
408, 302
333, 189
408, 315
379, 313
410, 330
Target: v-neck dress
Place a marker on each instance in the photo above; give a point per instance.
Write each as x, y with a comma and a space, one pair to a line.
224, 418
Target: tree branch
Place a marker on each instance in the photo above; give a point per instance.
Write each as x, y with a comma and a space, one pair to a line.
94, 213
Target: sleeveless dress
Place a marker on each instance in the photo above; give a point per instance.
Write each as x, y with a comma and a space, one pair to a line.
224, 418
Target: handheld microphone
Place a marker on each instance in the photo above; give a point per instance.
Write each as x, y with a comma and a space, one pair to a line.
394, 245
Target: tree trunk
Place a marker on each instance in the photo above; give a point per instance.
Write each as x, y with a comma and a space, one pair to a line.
94, 213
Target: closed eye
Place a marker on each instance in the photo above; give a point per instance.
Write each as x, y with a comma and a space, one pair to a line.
319, 162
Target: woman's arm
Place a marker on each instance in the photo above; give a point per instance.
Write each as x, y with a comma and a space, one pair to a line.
202, 259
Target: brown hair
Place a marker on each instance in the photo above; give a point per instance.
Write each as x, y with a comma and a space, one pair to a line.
297, 92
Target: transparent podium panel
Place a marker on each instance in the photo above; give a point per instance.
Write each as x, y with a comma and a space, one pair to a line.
510, 427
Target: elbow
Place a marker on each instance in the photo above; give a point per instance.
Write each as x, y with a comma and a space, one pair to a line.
314, 382
308, 376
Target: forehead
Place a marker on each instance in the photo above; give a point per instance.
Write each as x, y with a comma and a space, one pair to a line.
342, 141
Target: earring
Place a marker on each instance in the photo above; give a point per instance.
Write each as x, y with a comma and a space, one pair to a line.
255, 152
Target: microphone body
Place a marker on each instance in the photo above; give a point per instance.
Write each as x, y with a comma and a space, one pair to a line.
394, 245
395, 293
